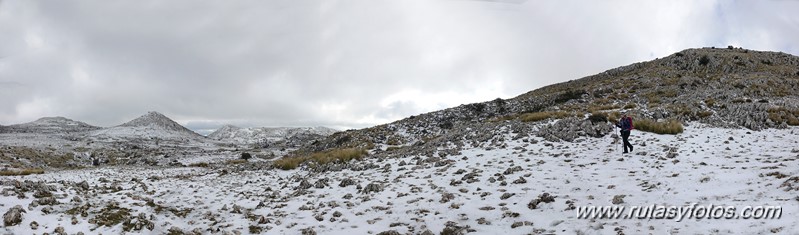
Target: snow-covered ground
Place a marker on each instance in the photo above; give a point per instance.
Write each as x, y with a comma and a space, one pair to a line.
711, 166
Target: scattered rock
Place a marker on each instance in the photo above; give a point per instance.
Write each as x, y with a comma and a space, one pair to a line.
346, 182
543, 198
452, 228
59, 230
446, 197
389, 232
13, 216
618, 199
372, 187
520, 180
304, 184
512, 170
517, 224
308, 231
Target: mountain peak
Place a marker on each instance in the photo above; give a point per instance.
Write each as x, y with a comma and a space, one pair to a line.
151, 118
157, 121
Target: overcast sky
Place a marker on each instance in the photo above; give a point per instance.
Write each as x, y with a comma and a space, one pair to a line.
342, 64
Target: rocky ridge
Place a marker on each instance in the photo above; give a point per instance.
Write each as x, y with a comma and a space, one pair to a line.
267, 135
720, 87
50, 125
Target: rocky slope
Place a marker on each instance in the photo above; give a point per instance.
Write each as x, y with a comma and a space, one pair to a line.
267, 135
721, 87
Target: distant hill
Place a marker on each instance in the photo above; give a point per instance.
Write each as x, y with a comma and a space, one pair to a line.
252, 135
50, 125
149, 126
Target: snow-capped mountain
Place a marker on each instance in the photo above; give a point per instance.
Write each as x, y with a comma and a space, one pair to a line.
149, 126
50, 125
234, 134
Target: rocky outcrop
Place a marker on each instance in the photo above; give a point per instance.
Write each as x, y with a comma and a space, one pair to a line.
13, 216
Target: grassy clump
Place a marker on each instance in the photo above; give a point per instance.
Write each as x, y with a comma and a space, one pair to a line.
781, 114
704, 114
335, 155
670, 127
538, 116
27, 171
598, 117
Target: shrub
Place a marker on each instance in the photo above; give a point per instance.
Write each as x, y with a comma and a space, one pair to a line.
246, 156
26, 171
335, 155
781, 114
630, 106
598, 117
704, 60
668, 127
569, 95
793, 121
704, 114
538, 116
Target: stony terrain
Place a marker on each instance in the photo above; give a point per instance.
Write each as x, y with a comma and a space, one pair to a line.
515, 166
503, 186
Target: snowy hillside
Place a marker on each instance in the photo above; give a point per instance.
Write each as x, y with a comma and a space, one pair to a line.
152, 125
491, 189
252, 135
50, 125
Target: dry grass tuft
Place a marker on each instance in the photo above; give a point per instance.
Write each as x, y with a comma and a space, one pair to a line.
781, 114
336, 155
670, 127
538, 116
26, 171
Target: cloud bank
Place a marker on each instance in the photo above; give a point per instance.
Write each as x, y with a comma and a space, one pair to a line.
343, 64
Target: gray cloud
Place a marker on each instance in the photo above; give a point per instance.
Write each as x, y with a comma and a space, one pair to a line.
343, 64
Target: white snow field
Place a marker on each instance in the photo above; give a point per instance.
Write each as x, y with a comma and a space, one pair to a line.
728, 167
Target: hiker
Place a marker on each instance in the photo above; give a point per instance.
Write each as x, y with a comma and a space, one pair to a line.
626, 125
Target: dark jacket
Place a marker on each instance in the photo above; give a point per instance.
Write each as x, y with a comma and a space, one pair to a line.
625, 124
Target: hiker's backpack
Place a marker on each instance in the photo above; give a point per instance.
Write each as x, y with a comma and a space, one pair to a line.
629, 122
